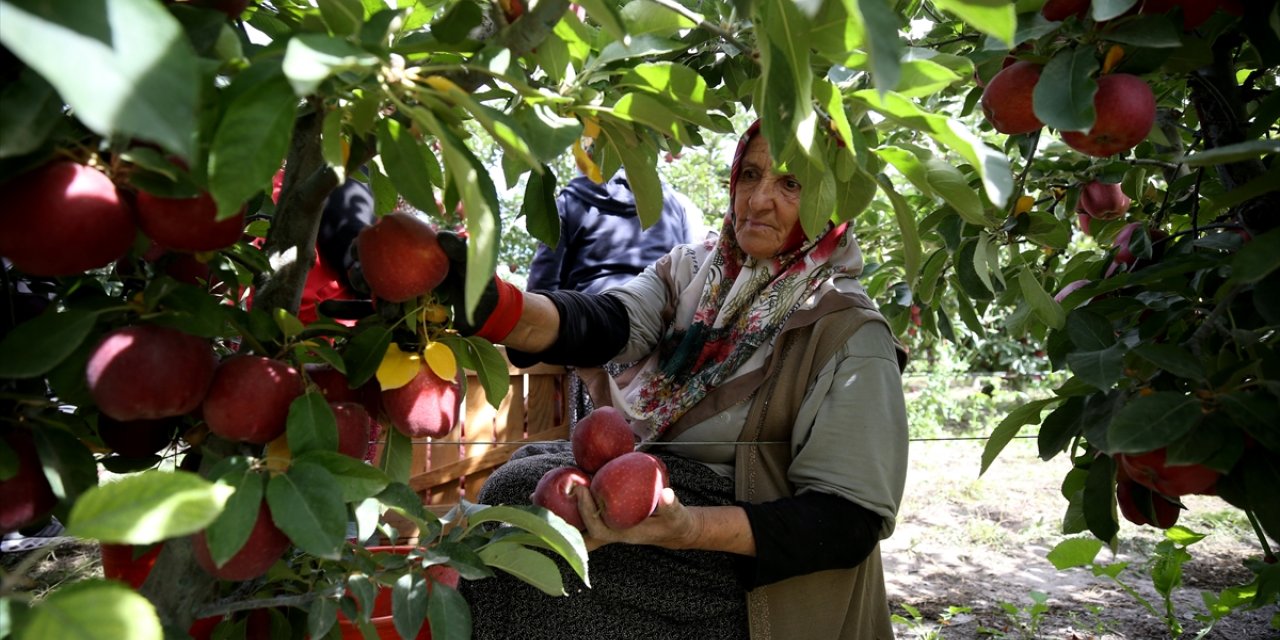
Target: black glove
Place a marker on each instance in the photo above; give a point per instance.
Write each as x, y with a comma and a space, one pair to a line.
498, 295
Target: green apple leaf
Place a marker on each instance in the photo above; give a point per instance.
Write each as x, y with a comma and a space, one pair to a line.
147, 507
448, 611
125, 67
311, 425
227, 534
358, 480
409, 603
94, 610
1149, 422
36, 346
306, 503
1063, 98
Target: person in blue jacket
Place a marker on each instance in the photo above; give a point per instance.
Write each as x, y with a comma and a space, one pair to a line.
602, 243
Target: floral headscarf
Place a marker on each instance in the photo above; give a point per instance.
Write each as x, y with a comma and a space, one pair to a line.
740, 307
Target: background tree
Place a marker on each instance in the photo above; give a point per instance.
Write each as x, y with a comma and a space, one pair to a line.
967, 201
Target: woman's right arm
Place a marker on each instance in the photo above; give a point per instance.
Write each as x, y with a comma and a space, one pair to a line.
538, 326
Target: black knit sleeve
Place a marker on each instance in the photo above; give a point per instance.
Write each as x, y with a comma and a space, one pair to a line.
593, 329
803, 534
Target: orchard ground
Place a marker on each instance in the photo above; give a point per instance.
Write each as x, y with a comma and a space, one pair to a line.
979, 543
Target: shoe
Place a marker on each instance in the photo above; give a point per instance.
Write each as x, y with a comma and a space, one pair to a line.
48, 535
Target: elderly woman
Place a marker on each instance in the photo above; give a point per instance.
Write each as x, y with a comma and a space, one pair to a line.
769, 383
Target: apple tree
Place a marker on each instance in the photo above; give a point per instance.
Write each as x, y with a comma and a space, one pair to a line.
963, 138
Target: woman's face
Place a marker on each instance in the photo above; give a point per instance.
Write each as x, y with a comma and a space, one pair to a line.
766, 205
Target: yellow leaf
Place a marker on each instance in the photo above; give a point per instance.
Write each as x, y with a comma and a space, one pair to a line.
440, 359
277, 456
591, 128
397, 367
1114, 55
585, 164
441, 83
1023, 205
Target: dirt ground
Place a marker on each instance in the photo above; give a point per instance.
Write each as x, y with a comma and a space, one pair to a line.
969, 552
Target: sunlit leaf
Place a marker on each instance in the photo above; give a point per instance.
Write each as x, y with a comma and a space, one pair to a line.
398, 367
441, 360
147, 507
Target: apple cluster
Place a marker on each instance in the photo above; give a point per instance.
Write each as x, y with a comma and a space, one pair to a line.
1148, 488
626, 484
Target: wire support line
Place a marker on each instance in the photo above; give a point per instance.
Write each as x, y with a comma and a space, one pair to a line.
686, 443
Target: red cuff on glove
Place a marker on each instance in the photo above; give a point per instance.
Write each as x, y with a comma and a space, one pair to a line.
505, 315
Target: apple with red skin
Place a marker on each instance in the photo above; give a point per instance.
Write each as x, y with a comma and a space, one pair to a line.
353, 428
27, 495
265, 545
426, 407
147, 372
1141, 505
249, 398
628, 488
1151, 471
137, 438
1058, 10
335, 387
554, 493
187, 224
1125, 256
1007, 98
1083, 220
123, 562
1103, 200
599, 437
401, 258
1126, 110
62, 219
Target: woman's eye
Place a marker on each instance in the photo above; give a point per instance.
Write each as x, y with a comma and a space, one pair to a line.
750, 174
792, 184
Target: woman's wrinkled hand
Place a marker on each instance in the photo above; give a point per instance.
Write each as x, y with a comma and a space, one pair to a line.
672, 525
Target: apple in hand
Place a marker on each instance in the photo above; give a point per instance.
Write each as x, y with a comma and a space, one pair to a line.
62, 219
1126, 110
1103, 200
554, 492
187, 224
249, 398
601, 436
401, 258
27, 495
628, 488
146, 372
353, 428
1007, 98
265, 545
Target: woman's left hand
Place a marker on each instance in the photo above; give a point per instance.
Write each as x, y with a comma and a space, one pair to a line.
672, 525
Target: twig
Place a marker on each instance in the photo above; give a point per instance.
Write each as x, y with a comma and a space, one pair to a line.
223, 607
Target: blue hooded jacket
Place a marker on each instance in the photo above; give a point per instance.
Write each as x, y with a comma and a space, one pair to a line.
601, 241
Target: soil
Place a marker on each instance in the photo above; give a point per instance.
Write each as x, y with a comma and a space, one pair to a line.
968, 553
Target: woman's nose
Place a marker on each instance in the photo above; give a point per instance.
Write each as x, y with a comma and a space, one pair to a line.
764, 193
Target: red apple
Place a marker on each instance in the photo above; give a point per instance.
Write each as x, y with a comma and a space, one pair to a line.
187, 224
336, 388
1083, 220
444, 574
27, 495
1149, 470
249, 398
599, 437
265, 545
555, 493
1007, 98
353, 428
426, 407
1103, 200
62, 219
627, 489
1126, 110
401, 258
146, 372
137, 438
1141, 505
1058, 10
129, 564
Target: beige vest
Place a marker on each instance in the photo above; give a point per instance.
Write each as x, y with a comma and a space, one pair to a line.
844, 604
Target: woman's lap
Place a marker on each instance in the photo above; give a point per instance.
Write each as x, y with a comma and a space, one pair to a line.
636, 592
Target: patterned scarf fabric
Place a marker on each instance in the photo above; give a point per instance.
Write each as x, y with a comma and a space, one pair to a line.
742, 305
